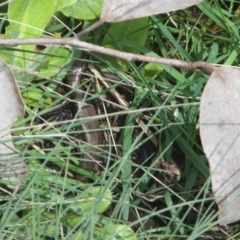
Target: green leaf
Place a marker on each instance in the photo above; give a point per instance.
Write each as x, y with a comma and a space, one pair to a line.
90, 200
152, 70
128, 36
63, 4
47, 63
72, 220
28, 19
35, 94
111, 231
118, 231
22, 15
56, 60
84, 9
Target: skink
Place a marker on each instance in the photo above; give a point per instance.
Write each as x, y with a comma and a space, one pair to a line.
93, 136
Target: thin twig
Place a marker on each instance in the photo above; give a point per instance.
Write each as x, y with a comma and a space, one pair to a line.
73, 42
92, 27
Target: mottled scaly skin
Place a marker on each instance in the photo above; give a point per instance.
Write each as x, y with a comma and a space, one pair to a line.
91, 126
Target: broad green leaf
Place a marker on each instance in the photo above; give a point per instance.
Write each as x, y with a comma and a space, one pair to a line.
90, 200
12, 166
111, 231
56, 58
72, 219
121, 10
63, 4
43, 178
84, 9
32, 96
27, 19
220, 135
47, 63
152, 70
125, 233
118, 231
126, 36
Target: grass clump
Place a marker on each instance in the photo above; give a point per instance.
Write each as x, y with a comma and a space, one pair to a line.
154, 126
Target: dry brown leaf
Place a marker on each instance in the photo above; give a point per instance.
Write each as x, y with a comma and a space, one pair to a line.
12, 166
220, 135
120, 10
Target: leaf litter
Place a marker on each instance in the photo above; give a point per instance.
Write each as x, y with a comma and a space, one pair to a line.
12, 166
220, 136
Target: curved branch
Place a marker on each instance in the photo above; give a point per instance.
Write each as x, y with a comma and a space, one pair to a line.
74, 42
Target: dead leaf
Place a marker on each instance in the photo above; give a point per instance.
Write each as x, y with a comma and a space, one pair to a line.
120, 10
220, 136
12, 166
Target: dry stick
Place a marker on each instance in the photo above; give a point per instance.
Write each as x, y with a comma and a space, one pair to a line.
73, 42
92, 27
